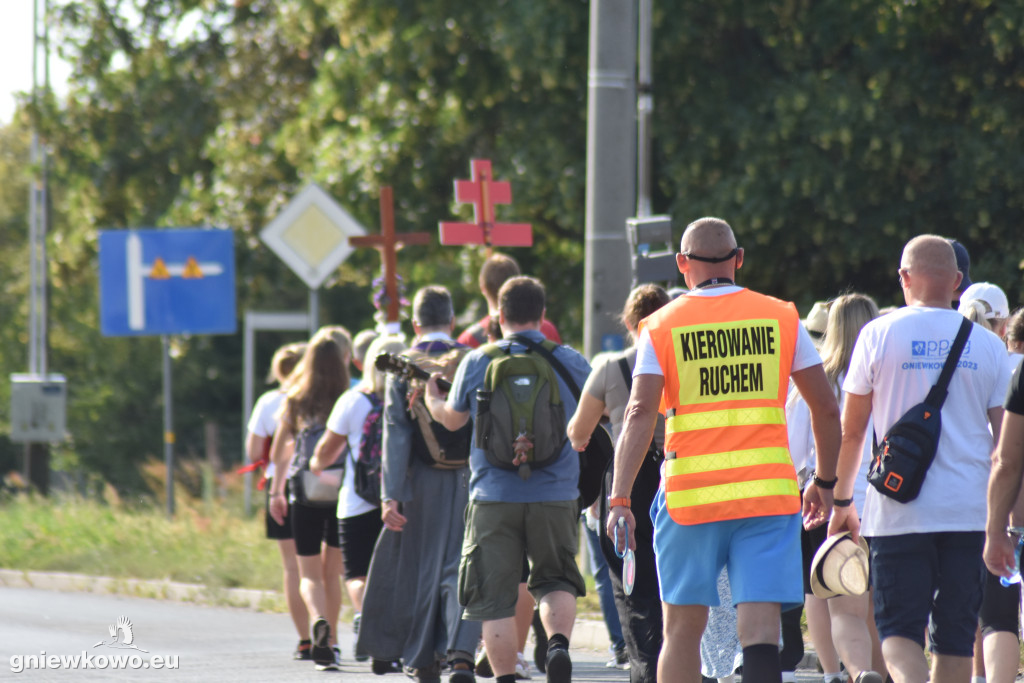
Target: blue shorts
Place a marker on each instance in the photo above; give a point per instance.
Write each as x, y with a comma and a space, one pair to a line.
929, 581
762, 554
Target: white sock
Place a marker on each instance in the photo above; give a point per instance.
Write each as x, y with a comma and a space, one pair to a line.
978, 679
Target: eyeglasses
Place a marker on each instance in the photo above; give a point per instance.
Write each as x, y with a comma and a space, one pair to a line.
899, 274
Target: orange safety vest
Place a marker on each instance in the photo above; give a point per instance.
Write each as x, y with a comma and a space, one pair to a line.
726, 361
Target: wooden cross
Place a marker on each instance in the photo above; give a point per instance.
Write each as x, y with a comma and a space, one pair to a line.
483, 192
388, 243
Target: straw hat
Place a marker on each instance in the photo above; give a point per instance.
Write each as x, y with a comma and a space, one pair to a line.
840, 567
817, 320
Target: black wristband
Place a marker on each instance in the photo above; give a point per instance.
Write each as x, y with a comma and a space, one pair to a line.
821, 483
842, 502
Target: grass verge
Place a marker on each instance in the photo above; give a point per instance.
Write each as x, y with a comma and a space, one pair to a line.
205, 543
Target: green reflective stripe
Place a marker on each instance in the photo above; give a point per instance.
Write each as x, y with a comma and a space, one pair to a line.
728, 492
696, 464
733, 417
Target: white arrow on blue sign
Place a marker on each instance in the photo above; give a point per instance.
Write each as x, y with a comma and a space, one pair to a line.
174, 281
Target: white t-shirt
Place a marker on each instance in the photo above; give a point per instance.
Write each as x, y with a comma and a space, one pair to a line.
263, 421
898, 357
804, 353
347, 418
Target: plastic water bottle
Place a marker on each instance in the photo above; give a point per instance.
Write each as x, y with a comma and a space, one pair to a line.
628, 559
1015, 576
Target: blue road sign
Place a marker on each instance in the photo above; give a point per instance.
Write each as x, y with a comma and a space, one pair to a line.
174, 281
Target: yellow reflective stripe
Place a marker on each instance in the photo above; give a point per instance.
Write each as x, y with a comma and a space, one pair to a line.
712, 462
729, 492
733, 417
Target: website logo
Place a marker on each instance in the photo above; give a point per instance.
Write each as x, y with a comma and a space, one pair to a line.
121, 637
121, 629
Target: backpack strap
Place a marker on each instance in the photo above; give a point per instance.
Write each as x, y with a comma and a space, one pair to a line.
937, 396
626, 374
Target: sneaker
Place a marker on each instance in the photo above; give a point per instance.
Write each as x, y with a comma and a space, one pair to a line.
321, 651
483, 666
619, 661
380, 667
540, 639
359, 654
522, 668
302, 651
870, 677
558, 666
334, 664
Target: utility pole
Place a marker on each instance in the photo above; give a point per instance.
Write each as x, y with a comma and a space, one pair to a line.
37, 455
611, 170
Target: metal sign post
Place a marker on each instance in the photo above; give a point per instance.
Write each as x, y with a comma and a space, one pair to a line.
255, 322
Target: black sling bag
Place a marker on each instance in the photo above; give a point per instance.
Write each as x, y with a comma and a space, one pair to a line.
901, 460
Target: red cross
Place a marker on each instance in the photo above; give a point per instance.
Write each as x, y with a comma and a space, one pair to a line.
388, 243
483, 192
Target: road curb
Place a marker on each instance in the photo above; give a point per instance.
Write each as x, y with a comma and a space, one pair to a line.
587, 633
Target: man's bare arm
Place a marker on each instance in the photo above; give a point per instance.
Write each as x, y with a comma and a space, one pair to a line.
439, 409
1004, 484
816, 391
637, 432
856, 413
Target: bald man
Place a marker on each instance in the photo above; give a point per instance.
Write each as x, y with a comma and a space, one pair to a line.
926, 555
718, 360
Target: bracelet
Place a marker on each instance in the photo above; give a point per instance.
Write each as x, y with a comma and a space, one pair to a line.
842, 502
618, 502
822, 483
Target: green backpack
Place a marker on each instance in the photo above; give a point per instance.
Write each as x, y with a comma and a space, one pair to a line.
519, 410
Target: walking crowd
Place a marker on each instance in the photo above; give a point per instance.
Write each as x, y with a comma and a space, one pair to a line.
862, 467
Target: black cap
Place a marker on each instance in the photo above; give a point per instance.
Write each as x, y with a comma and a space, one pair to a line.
963, 263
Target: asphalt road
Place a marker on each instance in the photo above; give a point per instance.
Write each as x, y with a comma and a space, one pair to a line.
206, 643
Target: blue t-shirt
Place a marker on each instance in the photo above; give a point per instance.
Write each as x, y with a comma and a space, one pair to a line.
557, 481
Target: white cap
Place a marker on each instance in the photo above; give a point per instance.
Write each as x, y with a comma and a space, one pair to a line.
994, 299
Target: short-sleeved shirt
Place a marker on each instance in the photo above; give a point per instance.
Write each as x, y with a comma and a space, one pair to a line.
263, 421
347, 419
607, 384
470, 336
1015, 396
897, 359
555, 482
805, 354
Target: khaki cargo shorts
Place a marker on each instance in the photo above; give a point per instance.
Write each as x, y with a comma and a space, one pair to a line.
497, 535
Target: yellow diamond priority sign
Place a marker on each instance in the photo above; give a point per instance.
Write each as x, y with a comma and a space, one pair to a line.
311, 235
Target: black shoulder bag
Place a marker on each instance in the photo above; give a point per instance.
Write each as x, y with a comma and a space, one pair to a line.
599, 451
901, 460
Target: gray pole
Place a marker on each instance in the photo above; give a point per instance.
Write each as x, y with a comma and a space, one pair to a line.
644, 109
611, 173
168, 424
248, 372
314, 310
